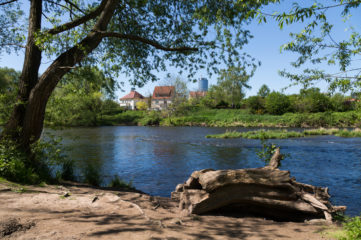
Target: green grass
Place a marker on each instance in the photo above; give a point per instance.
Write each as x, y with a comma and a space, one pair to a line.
282, 134
243, 118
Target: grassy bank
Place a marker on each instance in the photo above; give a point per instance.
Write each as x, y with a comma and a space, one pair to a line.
219, 118
243, 118
282, 134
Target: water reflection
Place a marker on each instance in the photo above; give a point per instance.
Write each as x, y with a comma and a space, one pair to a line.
156, 159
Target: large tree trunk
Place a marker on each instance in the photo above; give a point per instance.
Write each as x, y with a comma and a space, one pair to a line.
267, 192
29, 75
28, 116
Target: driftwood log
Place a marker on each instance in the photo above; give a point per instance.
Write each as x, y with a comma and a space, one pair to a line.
267, 192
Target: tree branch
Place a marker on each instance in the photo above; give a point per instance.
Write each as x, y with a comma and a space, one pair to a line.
147, 41
79, 21
4, 3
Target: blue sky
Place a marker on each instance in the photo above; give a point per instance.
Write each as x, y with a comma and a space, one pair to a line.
265, 47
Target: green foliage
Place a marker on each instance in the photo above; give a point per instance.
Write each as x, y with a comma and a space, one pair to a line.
267, 151
141, 105
277, 103
80, 100
315, 101
232, 83
13, 164
282, 134
91, 175
256, 104
315, 45
263, 91
45, 158
352, 228
8, 89
340, 103
116, 182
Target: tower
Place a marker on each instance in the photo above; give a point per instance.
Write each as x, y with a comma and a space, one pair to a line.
203, 85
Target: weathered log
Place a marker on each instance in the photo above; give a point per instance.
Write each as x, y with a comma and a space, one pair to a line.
266, 191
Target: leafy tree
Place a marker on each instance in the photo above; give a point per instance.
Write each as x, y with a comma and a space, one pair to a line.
232, 83
315, 101
277, 103
131, 37
256, 104
8, 86
317, 45
263, 91
79, 98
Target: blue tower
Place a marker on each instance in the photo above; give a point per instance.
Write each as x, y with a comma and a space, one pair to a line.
203, 85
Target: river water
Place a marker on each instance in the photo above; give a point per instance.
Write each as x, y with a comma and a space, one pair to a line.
156, 159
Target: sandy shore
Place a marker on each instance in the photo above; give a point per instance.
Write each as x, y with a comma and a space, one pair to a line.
81, 212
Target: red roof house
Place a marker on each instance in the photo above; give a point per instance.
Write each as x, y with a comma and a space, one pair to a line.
130, 100
162, 97
197, 94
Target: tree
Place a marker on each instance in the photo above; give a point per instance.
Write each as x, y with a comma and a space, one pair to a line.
8, 86
232, 83
277, 103
317, 45
179, 101
315, 101
263, 91
131, 37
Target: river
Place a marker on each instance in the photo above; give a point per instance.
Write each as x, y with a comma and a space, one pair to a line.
156, 159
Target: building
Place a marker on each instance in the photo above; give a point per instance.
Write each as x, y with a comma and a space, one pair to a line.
129, 101
203, 85
162, 97
202, 89
197, 94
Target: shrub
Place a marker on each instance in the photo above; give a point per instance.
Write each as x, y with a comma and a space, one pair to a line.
92, 175
256, 104
315, 101
141, 105
116, 182
277, 103
352, 227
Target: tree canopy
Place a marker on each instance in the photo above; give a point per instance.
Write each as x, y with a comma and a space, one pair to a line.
317, 45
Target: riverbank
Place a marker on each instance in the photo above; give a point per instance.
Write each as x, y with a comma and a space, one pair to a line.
82, 212
283, 134
224, 118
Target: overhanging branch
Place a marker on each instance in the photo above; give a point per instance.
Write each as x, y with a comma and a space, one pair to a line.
7, 2
153, 43
79, 21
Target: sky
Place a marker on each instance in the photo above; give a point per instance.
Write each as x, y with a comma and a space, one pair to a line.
265, 47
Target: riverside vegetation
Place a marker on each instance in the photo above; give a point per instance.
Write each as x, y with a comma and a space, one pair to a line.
282, 134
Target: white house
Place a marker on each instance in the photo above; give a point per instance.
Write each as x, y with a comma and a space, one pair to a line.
129, 101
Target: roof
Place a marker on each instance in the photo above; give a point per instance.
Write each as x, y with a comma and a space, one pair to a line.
163, 92
197, 94
132, 95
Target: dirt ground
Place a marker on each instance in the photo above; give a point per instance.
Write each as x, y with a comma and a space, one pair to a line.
81, 212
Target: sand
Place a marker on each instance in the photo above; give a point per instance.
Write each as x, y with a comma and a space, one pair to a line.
83, 212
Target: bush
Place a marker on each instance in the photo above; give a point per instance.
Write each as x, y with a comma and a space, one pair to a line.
116, 182
352, 227
141, 105
277, 103
315, 101
13, 164
39, 165
256, 104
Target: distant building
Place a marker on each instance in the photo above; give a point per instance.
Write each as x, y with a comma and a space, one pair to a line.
203, 85
162, 97
129, 101
197, 94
